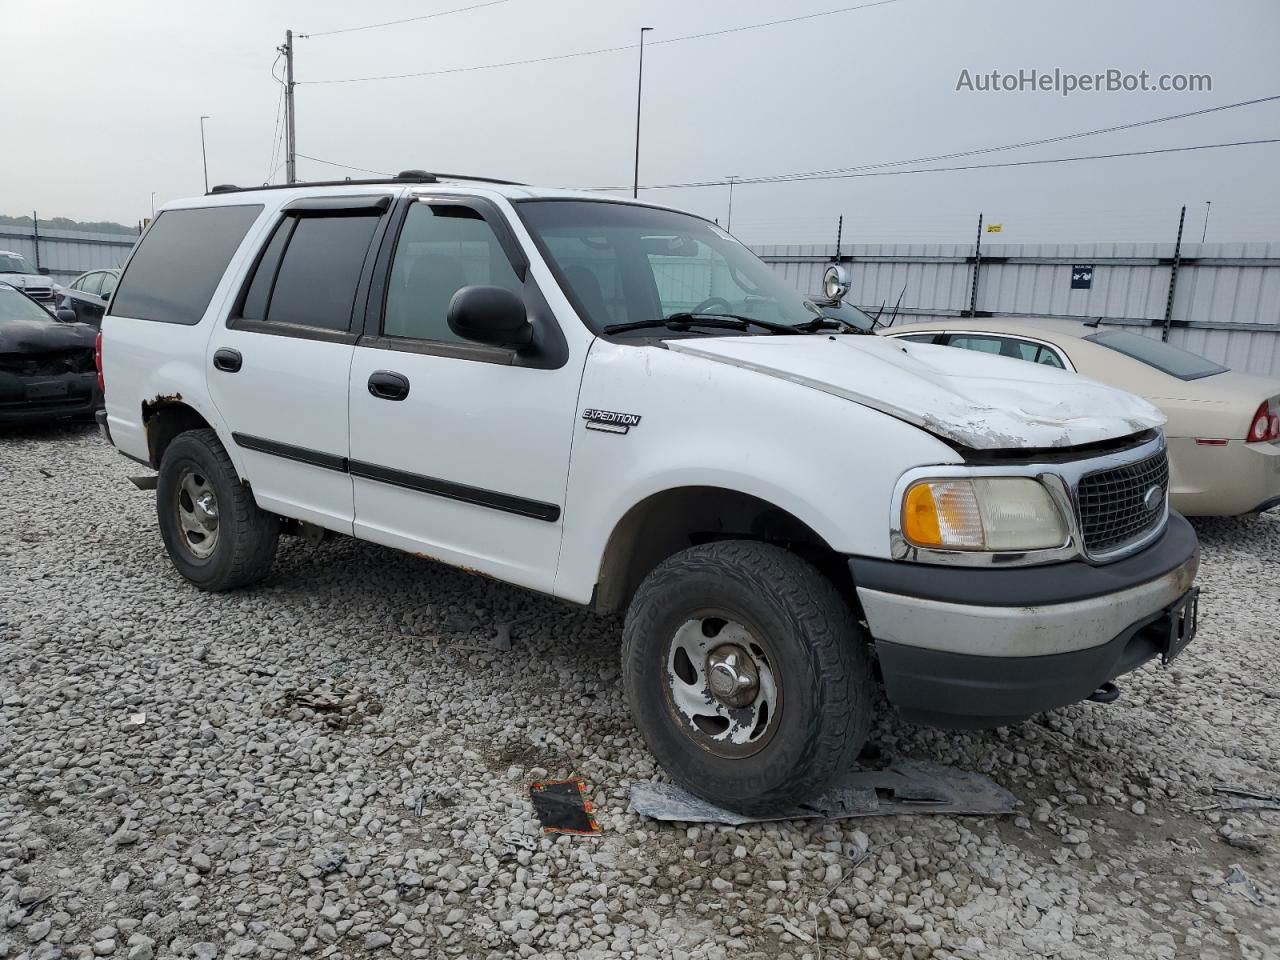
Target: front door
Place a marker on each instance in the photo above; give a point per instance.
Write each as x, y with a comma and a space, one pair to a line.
460, 451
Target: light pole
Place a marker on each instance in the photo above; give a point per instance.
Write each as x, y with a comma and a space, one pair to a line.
635, 188
153, 204
1207, 205
203, 156
728, 226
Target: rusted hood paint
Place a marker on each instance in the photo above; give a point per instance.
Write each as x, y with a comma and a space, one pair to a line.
980, 401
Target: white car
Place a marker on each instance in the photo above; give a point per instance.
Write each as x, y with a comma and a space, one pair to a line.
36, 284
619, 405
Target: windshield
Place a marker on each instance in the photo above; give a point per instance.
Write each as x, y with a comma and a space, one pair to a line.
15, 307
1155, 353
630, 264
13, 263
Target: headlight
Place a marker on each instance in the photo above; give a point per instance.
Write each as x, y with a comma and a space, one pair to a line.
983, 513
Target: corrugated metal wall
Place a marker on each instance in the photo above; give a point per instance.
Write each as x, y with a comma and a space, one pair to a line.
68, 253
1226, 306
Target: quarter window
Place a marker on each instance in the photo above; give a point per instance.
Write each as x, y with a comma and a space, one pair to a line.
180, 262
442, 248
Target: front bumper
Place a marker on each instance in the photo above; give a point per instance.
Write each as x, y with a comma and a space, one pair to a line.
77, 396
982, 647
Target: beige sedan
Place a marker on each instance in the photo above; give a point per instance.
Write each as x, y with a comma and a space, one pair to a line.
1224, 426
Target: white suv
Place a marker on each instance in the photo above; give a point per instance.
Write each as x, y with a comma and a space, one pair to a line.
619, 405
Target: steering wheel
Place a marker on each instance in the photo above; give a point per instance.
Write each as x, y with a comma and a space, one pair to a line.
705, 305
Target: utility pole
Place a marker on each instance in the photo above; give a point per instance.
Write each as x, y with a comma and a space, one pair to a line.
204, 157
635, 188
291, 144
1207, 205
1173, 276
729, 223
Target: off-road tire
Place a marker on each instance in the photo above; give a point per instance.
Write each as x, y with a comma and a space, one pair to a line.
247, 535
823, 661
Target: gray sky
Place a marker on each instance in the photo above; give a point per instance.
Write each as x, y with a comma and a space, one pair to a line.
117, 89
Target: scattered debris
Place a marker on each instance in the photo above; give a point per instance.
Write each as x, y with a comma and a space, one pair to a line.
789, 927
333, 864
562, 807
338, 706
136, 719
1240, 882
47, 474
1237, 798
905, 786
1244, 841
502, 642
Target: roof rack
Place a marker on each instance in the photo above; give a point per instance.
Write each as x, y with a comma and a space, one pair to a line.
404, 176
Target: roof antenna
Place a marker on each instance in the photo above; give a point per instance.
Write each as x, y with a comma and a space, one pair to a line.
1093, 323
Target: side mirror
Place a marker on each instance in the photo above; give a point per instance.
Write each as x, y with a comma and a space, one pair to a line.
43, 271
492, 315
67, 316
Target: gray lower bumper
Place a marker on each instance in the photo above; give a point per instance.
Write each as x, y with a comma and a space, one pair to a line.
1020, 631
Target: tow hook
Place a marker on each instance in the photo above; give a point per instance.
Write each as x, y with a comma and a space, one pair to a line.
1107, 693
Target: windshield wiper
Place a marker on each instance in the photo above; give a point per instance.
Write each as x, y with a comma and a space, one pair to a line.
681, 322
828, 323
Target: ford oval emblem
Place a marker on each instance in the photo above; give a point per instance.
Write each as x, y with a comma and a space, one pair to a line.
1152, 499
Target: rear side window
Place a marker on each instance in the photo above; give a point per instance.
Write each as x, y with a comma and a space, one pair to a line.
179, 263
308, 273
1155, 353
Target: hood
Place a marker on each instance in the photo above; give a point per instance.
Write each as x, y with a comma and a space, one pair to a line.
43, 336
979, 401
22, 280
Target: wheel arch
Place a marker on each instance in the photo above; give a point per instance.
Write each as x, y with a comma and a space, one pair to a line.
671, 520
163, 418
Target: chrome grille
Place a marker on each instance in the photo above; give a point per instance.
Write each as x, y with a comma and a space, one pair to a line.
39, 293
1113, 511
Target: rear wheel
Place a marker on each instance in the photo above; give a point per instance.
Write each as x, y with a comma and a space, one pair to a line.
215, 533
747, 675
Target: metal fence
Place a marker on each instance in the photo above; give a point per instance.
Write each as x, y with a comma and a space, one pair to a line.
67, 253
1222, 300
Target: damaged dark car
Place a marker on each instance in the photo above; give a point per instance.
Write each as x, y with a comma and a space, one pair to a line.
46, 364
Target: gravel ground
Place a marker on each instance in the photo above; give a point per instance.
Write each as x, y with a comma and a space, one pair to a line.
335, 763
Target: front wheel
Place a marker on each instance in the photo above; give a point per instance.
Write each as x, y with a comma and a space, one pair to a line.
747, 675
215, 533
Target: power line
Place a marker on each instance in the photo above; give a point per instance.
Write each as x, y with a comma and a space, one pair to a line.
346, 166
1024, 143
972, 166
601, 50
392, 23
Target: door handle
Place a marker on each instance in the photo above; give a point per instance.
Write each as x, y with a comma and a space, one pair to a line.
388, 385
227, 360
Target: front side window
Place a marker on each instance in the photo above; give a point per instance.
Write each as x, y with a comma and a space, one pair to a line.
180, 261
1166, 358
91, 283
624, 263
442, 248
109, 283
309, 270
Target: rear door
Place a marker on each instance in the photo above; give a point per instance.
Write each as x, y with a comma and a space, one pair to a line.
470, 464
278, 368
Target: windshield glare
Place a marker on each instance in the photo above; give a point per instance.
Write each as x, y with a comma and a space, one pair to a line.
627, 264
1155, 353
15, 307
13, 263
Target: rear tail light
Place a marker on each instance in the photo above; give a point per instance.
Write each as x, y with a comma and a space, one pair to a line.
1264, 426
97, 360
